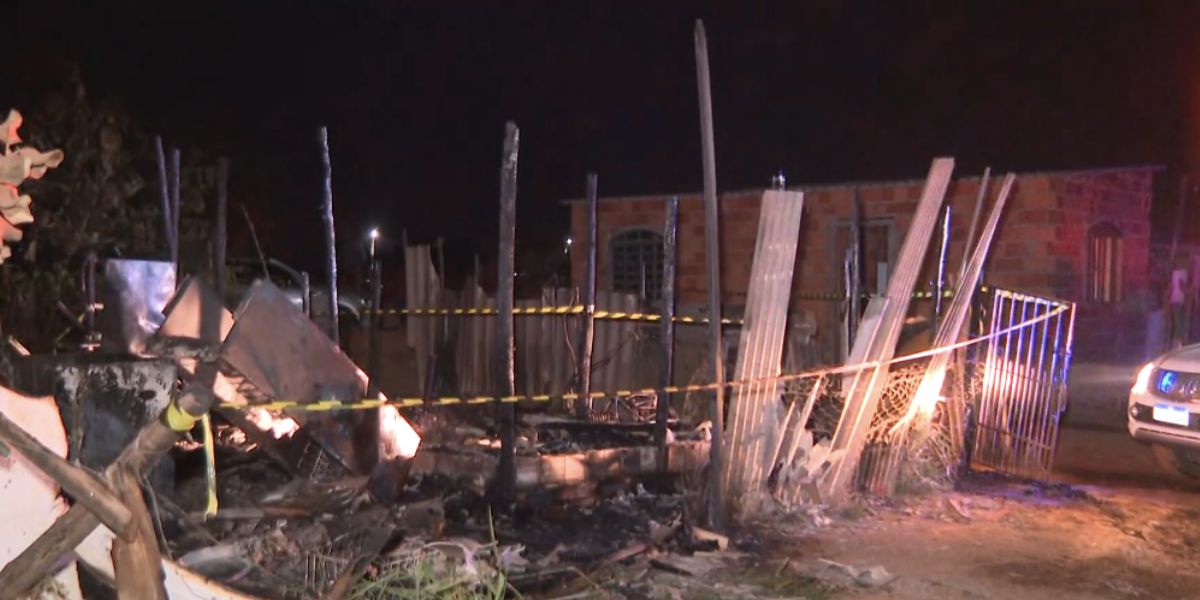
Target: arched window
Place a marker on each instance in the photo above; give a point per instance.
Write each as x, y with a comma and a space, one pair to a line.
637, 262
1104, 279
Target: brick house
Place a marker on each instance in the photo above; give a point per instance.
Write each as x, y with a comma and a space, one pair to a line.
1081, 235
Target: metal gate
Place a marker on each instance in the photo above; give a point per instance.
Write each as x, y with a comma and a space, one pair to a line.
1023, 391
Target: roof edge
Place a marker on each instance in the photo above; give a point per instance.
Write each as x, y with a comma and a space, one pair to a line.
865, 184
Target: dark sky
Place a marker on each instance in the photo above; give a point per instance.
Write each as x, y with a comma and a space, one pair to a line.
416, 94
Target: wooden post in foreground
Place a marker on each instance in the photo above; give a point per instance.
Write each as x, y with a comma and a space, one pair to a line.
713, 254
583, 405
668, 330
504, 319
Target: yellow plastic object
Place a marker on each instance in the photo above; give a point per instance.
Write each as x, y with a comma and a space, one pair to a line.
210, 468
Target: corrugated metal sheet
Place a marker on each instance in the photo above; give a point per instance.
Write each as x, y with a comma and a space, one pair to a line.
755, 410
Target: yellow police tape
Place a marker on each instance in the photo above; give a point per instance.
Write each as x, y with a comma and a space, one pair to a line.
599, 315
415, 402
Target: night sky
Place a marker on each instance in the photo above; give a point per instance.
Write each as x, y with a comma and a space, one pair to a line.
416, 95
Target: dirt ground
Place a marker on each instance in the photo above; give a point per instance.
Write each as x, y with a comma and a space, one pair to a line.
1114, 526
1135, 533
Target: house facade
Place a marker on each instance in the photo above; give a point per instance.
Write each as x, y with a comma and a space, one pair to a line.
1082, 236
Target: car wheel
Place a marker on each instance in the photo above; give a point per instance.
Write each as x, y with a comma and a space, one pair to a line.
1181, 461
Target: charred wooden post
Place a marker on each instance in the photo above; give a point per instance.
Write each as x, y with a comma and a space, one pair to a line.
507, 479
854, 290
668, 330
330, 241
712, 252
221, 235
305, 294
376, 324
87, 489
165, 195
588, 337
175, 205
154, 440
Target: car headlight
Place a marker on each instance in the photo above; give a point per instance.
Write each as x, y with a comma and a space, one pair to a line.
1141, 385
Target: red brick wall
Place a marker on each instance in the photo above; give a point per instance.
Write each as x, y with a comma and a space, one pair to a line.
1040, 248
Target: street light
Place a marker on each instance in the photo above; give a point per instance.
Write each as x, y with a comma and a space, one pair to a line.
373, 235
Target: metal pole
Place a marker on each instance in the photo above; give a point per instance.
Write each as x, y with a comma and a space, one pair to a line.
376, 323
584, 409
330, 247
91, 336
175, 203
940, 286
504, 304
668, 330
306, 294
711, 233
165, 194
221, 227
855, 291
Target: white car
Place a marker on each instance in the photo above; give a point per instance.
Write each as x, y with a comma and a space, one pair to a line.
1164, 409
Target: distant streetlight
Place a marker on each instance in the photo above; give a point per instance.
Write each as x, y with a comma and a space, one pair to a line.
373, 235
567, 243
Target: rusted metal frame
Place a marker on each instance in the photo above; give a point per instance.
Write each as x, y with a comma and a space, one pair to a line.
712, 232
1040, 463
79, 483
670, 227
583, 407
330, 241
1023, 443
69, 530
504, 319
1040, 397
1012, 353
984, 416
1066, 350
1018, 444
999, 378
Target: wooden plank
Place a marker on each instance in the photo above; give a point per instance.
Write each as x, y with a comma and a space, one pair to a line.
136, 563
588, 323
668, 329
77, 482
713, 258
504, 299
862, 398
32, 565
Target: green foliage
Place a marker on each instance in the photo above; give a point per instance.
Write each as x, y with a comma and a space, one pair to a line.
101, 198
